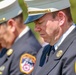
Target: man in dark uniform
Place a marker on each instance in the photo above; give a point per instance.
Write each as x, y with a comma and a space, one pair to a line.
21, 44
54, 23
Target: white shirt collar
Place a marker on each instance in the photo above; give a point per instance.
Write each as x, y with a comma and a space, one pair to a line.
64, 36
23, 32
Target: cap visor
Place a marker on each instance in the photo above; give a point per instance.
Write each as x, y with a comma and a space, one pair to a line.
33, 18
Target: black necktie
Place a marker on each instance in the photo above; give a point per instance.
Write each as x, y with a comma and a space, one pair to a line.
3, 52
45, 55
50, 53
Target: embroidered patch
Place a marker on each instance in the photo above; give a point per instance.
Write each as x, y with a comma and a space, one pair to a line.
27, 62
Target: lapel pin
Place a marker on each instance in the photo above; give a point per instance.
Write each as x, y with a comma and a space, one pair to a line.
59, 53
9, 52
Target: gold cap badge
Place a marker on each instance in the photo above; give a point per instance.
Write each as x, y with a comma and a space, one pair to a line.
59, 53
9, 52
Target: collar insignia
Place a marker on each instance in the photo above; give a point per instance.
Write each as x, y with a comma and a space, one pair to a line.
9, 52
2, 68
59, 53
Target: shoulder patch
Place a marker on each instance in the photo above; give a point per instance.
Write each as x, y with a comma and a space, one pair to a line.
27, 62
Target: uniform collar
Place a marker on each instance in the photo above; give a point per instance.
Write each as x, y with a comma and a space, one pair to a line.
23, 32
64, 36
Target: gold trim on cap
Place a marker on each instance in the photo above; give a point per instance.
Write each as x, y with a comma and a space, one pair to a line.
39, 11
2, 20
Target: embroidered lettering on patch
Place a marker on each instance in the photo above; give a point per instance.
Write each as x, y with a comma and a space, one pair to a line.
27, 62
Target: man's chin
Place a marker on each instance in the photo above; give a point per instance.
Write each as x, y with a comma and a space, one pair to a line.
46, 41
3, 45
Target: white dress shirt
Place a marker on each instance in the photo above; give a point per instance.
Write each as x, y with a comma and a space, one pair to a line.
64, 36
23, 32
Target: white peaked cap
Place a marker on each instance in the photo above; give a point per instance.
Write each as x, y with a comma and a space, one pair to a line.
37, 8
9, 9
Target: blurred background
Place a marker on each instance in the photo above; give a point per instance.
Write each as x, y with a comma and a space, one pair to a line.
31, 25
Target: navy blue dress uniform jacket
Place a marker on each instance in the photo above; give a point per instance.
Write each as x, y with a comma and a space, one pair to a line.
62, 62
10, 65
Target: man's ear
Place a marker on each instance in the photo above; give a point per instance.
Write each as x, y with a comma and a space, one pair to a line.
11, 25
62, 18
